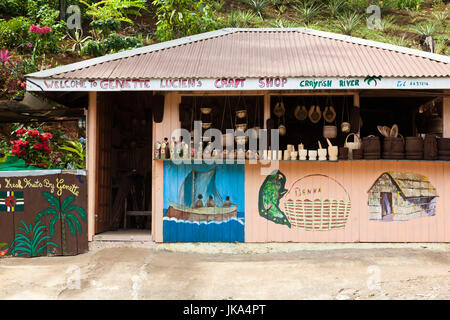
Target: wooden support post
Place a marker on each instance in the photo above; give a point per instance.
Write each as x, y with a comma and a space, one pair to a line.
446, 115
91, 138
266, 108
356, 101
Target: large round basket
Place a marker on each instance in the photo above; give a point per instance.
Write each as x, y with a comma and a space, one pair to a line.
325, 210
317, 214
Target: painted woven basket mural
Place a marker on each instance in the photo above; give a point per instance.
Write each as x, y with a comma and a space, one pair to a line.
317, 202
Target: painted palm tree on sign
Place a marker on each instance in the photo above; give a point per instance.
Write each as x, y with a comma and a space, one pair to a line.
64, 212
373, 78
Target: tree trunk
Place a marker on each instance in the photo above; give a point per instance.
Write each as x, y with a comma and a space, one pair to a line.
63, 236
62, 9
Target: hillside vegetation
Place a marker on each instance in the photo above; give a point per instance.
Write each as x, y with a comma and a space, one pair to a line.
35, 36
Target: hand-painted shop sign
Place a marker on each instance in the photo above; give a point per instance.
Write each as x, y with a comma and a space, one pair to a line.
233, 83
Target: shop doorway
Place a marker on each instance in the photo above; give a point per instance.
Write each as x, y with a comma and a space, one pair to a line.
124, 165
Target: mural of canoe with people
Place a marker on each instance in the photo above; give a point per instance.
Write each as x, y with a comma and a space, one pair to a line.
206, 199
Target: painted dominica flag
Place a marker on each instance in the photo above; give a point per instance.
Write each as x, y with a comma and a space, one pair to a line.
11, 201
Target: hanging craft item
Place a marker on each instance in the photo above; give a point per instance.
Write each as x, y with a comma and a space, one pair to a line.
205, 114
282, 129
279, 109
241, 114
314, 114
227, 138
345, 125
254, 133
205, 110
355, 119
329, 131
241, 124
329, 115
300, 112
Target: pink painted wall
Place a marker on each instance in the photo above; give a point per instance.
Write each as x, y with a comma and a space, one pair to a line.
357, 177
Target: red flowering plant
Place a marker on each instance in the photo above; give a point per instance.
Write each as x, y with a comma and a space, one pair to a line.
43, 39
34, 146
12, 73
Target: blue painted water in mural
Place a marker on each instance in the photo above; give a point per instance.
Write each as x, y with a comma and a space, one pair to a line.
182, 185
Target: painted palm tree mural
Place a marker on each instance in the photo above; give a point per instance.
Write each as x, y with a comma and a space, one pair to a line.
64, 213
31, 241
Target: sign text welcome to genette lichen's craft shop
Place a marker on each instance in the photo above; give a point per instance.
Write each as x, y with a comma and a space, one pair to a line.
229, 84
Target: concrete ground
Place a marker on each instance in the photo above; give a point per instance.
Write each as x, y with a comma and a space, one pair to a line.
244, 271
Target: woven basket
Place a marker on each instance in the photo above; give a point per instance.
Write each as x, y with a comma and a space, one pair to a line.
317, 214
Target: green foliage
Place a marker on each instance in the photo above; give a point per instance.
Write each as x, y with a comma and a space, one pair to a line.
93, 48
218, 5
387, 22
410, 4
241, 19
106, 26
14, 32
31, 241
348, 22
77, 40
179, 18
426, 30
5, 149
335, 7
119, 10
440, 17
42, 13
441, 45
258, 6
358, 5
283, 23
401, 41
12, 7
114, 43
78, 151
308, 11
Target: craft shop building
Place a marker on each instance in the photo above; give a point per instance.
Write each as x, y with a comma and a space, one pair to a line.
381, 176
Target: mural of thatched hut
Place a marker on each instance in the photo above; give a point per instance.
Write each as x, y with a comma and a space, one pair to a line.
400, 196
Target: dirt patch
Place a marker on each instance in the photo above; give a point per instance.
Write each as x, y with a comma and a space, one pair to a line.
145, 273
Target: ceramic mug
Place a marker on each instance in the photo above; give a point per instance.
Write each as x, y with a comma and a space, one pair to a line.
322, 154
312, 154
302, 154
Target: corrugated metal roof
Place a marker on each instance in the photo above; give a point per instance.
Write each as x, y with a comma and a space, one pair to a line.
293, 52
